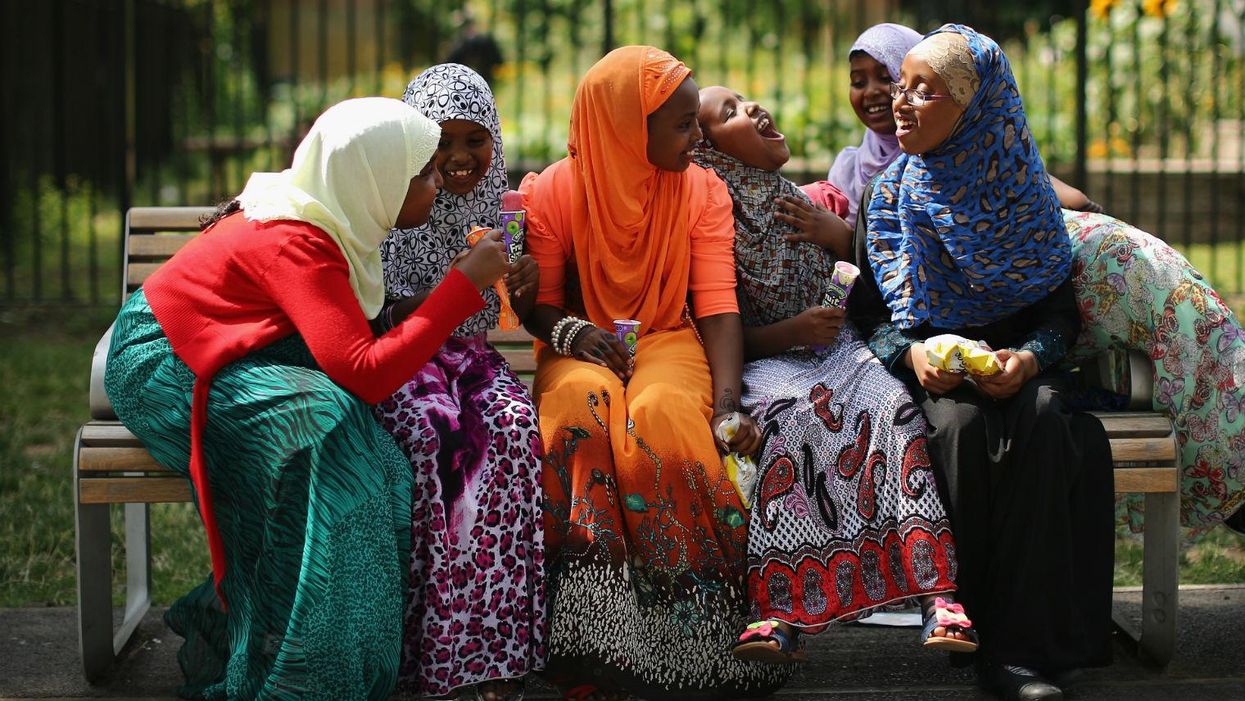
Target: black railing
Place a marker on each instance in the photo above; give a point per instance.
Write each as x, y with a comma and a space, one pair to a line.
113, 103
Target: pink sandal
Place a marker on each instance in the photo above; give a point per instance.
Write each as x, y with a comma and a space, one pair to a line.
951, 617
757, 644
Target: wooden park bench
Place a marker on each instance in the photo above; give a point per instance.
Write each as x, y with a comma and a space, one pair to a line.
111, 467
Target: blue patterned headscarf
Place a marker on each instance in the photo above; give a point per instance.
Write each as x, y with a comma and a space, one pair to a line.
970, 231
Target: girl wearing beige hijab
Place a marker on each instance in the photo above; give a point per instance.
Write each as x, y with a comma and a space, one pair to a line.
247, 363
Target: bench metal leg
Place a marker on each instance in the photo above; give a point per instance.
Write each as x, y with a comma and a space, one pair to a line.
1155, 642
137, 571
93, 542
1160, 577
98, 643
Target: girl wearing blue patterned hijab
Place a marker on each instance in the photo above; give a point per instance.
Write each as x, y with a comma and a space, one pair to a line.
968, 231
964, 234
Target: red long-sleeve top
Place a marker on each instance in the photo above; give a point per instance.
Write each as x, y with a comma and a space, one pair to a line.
242, 285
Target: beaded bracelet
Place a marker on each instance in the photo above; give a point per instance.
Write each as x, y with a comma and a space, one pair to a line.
572, 333
556, 334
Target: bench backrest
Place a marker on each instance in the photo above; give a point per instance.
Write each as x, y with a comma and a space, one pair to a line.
154, 234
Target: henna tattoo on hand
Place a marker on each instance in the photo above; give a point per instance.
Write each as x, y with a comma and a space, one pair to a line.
727, 404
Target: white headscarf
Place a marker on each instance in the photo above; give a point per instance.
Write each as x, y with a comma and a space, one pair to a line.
350, 177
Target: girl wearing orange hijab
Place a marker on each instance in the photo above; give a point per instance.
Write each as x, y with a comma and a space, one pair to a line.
644, 531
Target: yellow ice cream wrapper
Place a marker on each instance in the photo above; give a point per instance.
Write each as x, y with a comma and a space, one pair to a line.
739, 468
958, 354
945, 352
979, 361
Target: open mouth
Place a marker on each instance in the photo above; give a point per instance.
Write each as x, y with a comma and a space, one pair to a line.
877, 109
903, 125
765, 125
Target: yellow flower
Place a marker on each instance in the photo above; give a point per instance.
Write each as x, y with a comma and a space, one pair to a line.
1097, 149
1102, 8
1159, 8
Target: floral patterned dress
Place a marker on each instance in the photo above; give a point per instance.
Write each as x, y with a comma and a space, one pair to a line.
1136, 292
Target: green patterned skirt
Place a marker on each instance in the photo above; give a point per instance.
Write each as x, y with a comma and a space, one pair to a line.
312, 498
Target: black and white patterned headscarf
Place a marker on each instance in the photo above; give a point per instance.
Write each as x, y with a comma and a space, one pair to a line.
417, 259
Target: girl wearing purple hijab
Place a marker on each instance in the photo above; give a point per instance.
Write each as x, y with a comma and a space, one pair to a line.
875, 60
1133, 291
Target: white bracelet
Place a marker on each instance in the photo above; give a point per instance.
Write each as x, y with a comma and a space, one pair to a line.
562, 336
556, 331
568, 343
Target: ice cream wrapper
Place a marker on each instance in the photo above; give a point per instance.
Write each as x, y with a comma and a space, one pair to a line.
740, 468
628, 331
958, 354
514, 232
507, 320
842, 278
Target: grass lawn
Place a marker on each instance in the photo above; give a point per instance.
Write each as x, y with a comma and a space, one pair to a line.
44, 369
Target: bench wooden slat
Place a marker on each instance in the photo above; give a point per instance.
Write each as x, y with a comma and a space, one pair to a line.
1134, 424
517, 336
161, 246
1146, 480
138, 490
137, 273
1144, 450
167, 218
108, 434
136, 459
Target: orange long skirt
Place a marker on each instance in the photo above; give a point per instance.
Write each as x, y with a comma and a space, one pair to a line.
645, 535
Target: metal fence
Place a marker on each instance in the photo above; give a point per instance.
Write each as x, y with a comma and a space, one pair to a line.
114, 103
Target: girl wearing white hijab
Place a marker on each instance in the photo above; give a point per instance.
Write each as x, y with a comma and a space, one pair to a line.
247, 363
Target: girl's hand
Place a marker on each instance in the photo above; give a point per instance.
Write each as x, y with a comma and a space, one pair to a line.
818, 325
1018, 368
747, 440
600, 347
523, 277
933, 379
485, 262
813, 224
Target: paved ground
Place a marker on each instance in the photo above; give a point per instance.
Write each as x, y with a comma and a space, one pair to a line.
39, 659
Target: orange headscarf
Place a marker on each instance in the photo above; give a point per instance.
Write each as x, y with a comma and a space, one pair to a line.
631, 220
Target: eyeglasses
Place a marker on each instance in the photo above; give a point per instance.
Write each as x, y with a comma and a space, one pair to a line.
916, 98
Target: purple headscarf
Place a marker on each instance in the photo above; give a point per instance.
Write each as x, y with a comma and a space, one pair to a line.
855, 165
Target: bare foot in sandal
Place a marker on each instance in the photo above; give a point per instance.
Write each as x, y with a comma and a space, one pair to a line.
771, 641
946, 626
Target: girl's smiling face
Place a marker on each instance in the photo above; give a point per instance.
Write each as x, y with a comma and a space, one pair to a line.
463, 155
870, 93
922, 129
742, 129
673, 133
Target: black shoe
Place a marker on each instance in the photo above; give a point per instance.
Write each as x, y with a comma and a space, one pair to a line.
1024, 684
1236, 521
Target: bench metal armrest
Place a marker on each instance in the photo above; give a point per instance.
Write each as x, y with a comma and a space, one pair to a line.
101, 408
1100, 373
1140, 381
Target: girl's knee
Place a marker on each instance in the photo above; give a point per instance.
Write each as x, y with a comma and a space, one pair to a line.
663, 405
962, 421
